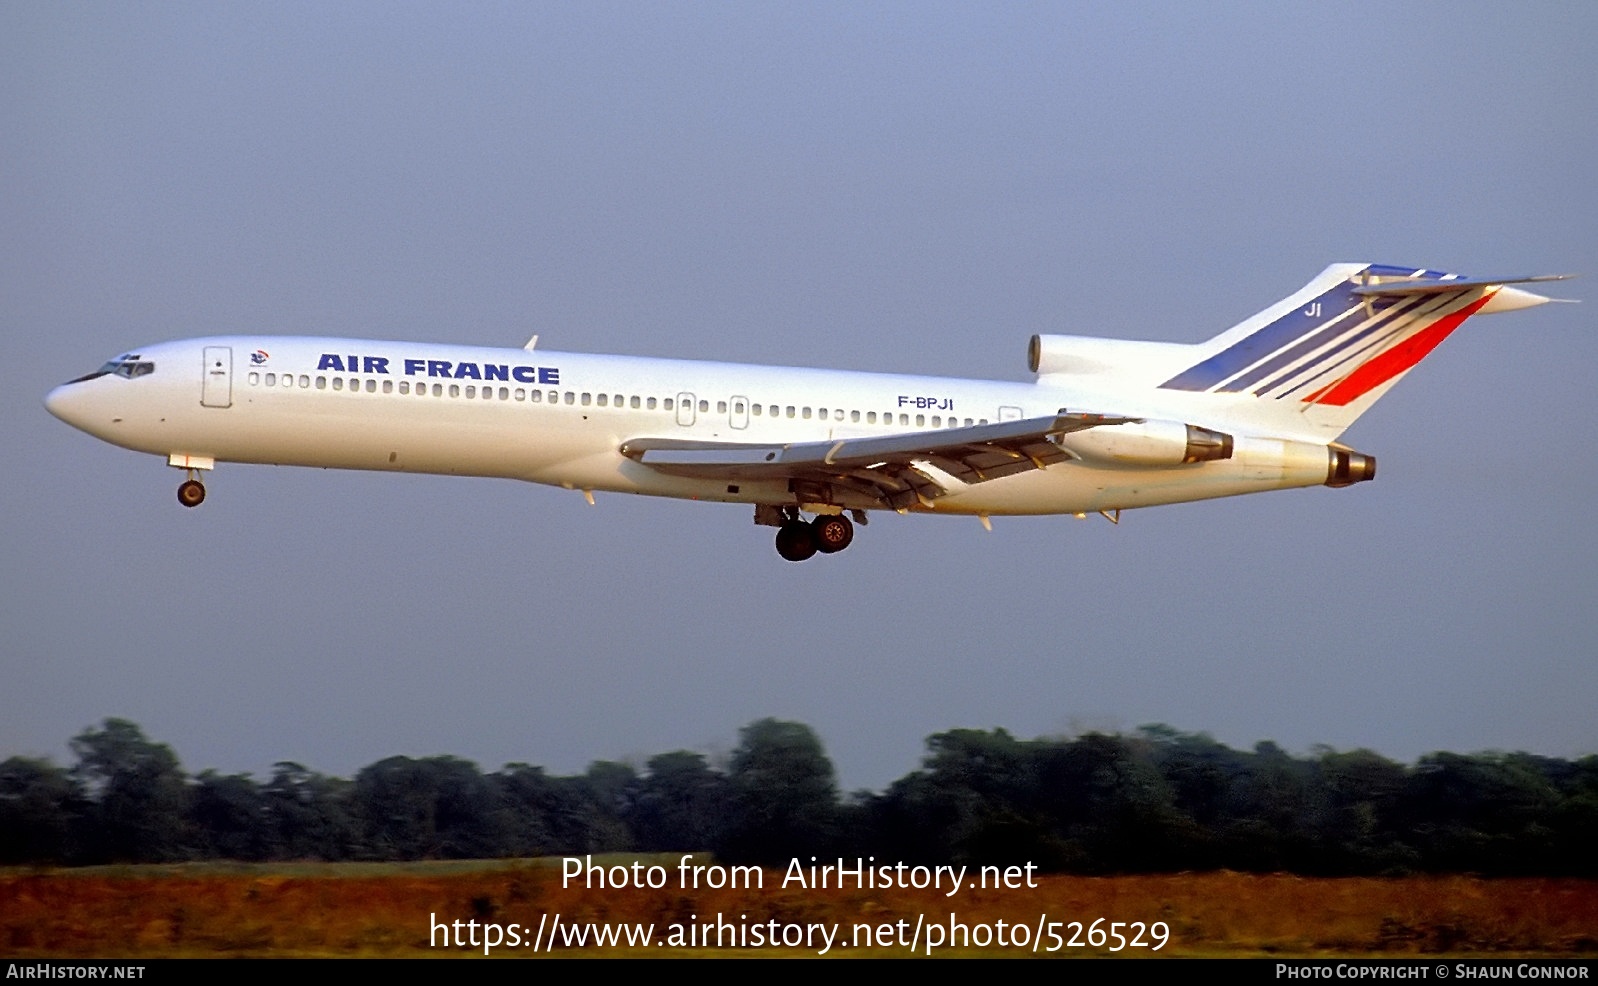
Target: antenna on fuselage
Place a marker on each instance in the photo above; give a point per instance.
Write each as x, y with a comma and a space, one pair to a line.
531, 343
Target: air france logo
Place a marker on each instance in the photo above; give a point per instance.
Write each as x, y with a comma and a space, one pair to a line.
448, 369
259, 357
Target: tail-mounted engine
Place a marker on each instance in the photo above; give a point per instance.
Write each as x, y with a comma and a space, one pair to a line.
1345, 467
1141, 444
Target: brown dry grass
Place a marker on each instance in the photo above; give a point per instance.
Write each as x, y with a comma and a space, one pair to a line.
383, 910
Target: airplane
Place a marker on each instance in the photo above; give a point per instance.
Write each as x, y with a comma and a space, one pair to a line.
1106, 425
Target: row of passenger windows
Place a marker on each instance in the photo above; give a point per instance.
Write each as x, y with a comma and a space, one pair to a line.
738, 406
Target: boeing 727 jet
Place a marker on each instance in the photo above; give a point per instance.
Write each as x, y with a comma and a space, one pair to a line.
1106, 425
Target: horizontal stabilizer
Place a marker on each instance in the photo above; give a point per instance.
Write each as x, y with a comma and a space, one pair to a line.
1432, 285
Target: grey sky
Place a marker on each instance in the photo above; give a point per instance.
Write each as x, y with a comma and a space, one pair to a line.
912, 187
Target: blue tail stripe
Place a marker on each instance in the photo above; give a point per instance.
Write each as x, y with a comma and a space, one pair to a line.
1329, 331
1385, 309
1395, 331
1329, 370
1264, 359
1273, 337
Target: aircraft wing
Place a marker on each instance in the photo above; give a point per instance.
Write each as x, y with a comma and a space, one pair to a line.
889, 467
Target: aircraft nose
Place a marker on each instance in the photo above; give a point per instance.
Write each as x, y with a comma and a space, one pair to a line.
66, 402
56, 402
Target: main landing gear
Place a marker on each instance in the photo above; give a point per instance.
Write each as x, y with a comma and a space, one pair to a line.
798, 539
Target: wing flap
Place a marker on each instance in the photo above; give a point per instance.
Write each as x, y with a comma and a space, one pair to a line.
885, 467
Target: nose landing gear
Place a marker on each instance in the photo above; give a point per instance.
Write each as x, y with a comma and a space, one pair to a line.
191, 493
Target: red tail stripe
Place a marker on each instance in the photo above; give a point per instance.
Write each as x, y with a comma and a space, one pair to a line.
1396, 360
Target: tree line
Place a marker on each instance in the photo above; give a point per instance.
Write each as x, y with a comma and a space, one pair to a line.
1156, 800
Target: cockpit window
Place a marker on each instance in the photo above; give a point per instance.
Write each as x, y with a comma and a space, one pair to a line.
128, 365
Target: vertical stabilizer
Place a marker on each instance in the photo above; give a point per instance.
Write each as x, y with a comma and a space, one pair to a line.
1320, 358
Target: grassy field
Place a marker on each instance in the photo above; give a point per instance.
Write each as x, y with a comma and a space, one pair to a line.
388, 910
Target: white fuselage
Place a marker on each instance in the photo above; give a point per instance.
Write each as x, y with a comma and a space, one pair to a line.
562, 419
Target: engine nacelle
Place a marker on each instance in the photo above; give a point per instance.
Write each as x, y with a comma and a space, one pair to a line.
1345, 467
1139, 444
1083, 355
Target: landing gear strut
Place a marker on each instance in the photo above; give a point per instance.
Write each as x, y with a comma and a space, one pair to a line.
191, 493
798, 540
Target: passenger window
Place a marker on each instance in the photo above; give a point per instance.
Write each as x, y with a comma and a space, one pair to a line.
756, 409
271, 379
618, 401
823, 414
806, 414
571, 398
666, 404
871, 417
635, 403
854, 416
321, 383
454, 390
405, 386
937, 421
704, 407
371, 386
651, 404
338, 383
721, 407
791, 410
305, 381
471, 391
604, 399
